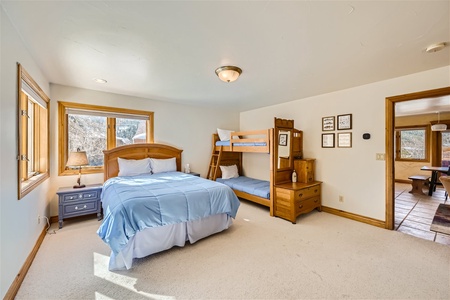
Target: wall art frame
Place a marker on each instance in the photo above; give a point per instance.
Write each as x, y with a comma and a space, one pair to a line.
344, 122
328, 123
327, 140
344, 140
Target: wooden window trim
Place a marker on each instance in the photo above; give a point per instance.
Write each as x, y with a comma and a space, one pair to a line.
41, 136
427, 129
111, 137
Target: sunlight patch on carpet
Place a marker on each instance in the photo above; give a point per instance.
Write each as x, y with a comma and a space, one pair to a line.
101, 270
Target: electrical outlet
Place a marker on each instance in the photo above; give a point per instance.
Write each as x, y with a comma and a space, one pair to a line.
341, 198
39, 219
380, 156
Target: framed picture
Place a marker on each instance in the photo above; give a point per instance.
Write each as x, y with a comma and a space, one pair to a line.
345, 140
328, 123
327, 140
344, 122
283, 140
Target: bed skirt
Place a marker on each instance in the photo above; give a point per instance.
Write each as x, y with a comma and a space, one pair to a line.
157, 239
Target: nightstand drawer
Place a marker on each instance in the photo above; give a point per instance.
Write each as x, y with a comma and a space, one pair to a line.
307, 205
81, 196
81, 208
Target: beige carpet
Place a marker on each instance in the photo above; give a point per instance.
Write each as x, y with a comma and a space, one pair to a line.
321, 257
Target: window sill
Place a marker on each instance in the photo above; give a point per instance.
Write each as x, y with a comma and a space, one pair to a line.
30, 184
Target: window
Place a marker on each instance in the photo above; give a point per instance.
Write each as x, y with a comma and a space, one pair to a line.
33, 147
94, 128
412, 144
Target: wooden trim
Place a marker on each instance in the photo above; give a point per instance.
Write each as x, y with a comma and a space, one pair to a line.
14, 288
110, 132
253, 198
390, 140
354, 217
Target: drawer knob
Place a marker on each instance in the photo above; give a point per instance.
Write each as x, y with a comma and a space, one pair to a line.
315, 191
76, 207
316, 200
300, 206
89, 195
300, 195
71, 197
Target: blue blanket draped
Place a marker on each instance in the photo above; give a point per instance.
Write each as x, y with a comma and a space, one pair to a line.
133, 203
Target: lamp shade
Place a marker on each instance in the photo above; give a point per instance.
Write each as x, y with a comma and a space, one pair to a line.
77, 159
228, 73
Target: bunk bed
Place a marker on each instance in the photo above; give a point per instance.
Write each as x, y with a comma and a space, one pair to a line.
228, 152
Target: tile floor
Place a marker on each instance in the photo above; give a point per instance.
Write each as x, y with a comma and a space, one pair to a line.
414, 213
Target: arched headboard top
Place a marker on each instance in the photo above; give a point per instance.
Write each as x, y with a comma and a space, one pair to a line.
138, 151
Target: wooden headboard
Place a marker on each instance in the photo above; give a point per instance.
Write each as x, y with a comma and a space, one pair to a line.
138, 151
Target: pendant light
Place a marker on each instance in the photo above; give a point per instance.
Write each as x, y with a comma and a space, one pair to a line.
438, 127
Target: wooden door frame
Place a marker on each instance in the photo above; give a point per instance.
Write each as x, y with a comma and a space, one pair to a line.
390, 140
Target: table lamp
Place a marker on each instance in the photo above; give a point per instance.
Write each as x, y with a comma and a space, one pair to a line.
77, 159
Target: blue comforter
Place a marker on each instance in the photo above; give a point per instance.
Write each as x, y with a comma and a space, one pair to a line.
257, 187
133, 203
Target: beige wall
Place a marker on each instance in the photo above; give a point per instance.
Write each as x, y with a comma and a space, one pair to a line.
353, 173
404, 169
18, 218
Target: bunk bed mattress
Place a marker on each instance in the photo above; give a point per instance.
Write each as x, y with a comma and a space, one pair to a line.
257, 187
227, 143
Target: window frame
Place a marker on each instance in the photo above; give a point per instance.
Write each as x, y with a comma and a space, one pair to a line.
110, 132
40, 135
427, 130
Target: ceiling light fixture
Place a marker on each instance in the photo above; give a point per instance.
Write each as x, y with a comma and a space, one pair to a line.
228, 73
99, 80
435, 47
438, 127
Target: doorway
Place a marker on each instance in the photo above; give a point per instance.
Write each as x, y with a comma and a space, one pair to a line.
390, 142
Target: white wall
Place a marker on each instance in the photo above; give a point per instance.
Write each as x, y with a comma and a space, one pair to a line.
18, 218
185, 127
350, 172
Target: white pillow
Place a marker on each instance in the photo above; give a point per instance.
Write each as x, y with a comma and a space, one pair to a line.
163, 165
229, 172
132, 167
224, 135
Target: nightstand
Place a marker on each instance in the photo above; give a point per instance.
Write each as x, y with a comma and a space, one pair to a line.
75, 202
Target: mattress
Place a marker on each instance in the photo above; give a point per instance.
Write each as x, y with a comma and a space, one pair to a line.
257, 187
227, 143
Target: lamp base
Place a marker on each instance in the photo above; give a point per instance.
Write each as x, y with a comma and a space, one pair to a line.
79, 186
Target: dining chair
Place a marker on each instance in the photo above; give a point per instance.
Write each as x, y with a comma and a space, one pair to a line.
446, 183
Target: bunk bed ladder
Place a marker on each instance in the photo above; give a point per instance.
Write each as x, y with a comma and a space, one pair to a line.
216, 156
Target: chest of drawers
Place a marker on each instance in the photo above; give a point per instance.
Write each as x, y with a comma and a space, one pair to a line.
294, 199
78, 202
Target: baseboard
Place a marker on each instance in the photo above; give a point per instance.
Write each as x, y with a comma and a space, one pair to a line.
54, 219
355, 217
14, 288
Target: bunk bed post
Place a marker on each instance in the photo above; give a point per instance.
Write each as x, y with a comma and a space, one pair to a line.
271, 143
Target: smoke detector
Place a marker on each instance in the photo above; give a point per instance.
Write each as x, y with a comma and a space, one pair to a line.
435, 47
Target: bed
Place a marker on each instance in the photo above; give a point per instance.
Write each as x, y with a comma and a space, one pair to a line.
148, 213
228, 147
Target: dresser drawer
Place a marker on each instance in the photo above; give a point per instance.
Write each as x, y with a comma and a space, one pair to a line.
81, 208
86, 195
306, 193
307, 205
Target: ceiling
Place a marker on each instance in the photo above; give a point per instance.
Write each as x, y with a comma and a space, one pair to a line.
289, 50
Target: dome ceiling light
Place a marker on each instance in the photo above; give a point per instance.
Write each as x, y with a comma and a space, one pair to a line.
228, 73
435, 47
438, 127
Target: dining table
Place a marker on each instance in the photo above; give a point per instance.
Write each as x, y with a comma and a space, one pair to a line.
434, 176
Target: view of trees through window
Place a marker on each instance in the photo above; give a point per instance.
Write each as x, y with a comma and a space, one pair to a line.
89, 133
412, 144
445, 148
